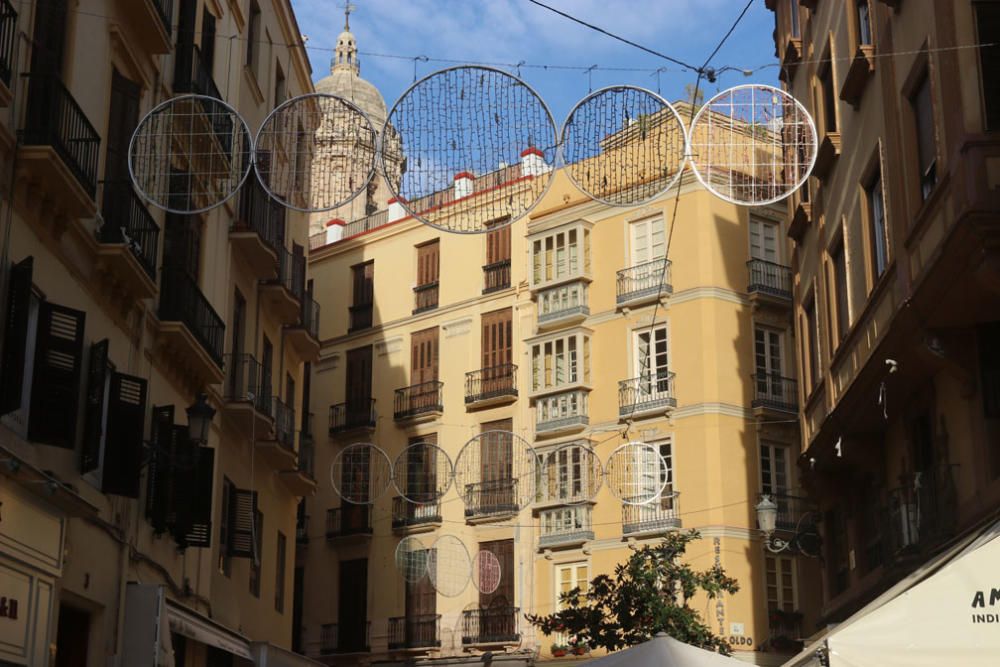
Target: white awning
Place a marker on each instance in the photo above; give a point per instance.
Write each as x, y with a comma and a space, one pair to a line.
269, 655
206, 631
947, 612
664, 651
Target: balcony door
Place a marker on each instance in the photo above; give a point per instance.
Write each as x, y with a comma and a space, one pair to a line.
497, 351
498, 621
352, 607
768, 355
359, 384
764, 241
47, 56
123, 117
648, 240
775, 473
421, 607
238, 369
421, 474
424, 356
498, 491
651, 360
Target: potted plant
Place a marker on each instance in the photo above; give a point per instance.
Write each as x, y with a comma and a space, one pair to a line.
558, 650
580, 648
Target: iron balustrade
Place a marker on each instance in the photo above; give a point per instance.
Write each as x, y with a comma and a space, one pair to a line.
259, 213
775, 392
658, 515
8, 39
348, 520
561, 302
425, 297
492, 625
418, 631
566, 525
309, 315
642, 281
418, 399
769, 278
491, 382
127, 220
328, 639
496, 276
360, 316
791, 510
406, 513
365, 224
55, 119
291, 275
307, 454
165, 10
352, 414
497, 496
193, 76
247, 380
921, 512
652, 391
284, 423
346, 638
182, 301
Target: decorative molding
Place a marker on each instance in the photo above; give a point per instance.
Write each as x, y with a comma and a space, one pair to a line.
388, 346
457, 327
720, 293
698, 409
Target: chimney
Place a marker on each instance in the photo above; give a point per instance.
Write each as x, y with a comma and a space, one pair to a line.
533, 162
396, 210
464, 184
334, 230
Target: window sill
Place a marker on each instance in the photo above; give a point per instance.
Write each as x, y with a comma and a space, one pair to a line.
559, 282
251, 79
561, 389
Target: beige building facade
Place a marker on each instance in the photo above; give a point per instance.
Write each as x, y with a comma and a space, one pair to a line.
127, 537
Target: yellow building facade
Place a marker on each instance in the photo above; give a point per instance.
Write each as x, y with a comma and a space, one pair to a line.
127, 537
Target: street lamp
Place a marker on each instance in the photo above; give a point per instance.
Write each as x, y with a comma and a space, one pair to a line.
805, 542
199, 419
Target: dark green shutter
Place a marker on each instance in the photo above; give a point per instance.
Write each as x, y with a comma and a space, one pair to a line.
93, 426
160, 466
242, 512
55, 386
200, 531
180, 486
123, 444
15, 336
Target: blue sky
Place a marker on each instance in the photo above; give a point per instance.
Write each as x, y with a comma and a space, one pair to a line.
510, 31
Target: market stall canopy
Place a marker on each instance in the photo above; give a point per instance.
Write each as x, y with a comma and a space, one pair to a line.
664, 651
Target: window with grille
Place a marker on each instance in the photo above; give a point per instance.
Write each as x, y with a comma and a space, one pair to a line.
560, 362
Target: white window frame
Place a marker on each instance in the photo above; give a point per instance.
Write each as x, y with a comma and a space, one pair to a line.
652, 332
573, 370
573, 476
781, 563
773, 446
658, 219
568, 248
763, 223
768, 332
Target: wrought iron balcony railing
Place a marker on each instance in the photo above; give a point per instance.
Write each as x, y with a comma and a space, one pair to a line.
556, 412
352, 414
193, 75
496, 276
247, 380
566, 525
658, 515
309, 315
365, 224
8, 39
406, 514
291, 273
791, 511
284, 423
418, 399
425, 297
921, 513
420, 631
769, 278
55, 119
644, 281
492, 382
348, 520
354, 637
182, 301
307, 454
775, 392
652, 391
497, 496
128, 221
360, 316
492, 625
258, 212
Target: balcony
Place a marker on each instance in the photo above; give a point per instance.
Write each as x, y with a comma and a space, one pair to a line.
562, 305
419, 401
278, 446
491, 499
8, 43
360, 317
565, 526
191, 332
258, 229
192, 75
352, 416
283, 294
247, 395
769, 284
346, 638
493, 625
415, 632
59, 148
860, 72
792, 511
646, 395
409, 518
826, 155
643, 283
556, 414
801, 218
495, 385
128, 240
150, 21
921, 513
654, 518
496, 276
790, 59
304, 335
425, 297
773, 393
349, 521
301, 479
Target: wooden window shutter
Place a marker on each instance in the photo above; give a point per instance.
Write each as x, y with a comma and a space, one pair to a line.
160, 467
200, 529
242, 512
298, 270
56, 384
428, 262
498, 242
15, 336
123, 445
93, 427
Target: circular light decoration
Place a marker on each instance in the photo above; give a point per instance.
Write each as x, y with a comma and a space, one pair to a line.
486, 572
571, 474
189, 154
449, 566
360, 473
411, 559
315, 152
623, 145
422, 473
636, 473
478, 147
753, 145
495, 474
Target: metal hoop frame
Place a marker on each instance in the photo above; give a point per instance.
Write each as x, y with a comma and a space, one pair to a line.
661, 479
373, 496
438, 494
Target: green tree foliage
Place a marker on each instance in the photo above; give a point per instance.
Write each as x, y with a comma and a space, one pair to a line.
647, 594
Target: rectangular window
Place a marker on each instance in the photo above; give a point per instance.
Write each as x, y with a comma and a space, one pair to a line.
352, 606
764, 240
811, 341
667, 474
496, 271
225, 562
923, 115
358, 389
560, 255
988, 34
837, 556
363, 284
839, 297
829, 97
651, 359
774, 469
424, 356
562, 300
569, 577
557, 363
648, 240
767, 352
497, 339
566, 477
280, 91
279, 575
253, 38
266, 365
781, 585
864, 22
877, 225
428, 274
256, 560
793, 19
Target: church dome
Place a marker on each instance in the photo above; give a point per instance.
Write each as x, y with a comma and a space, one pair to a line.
345, 80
